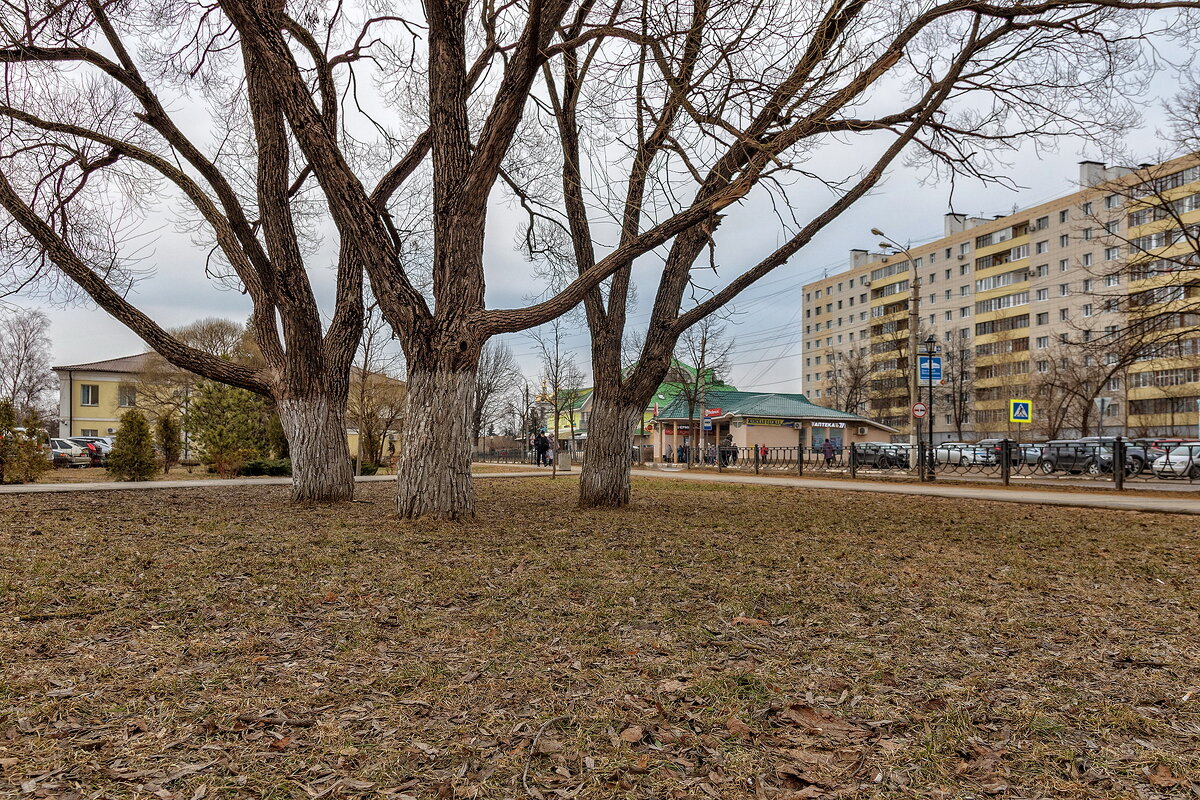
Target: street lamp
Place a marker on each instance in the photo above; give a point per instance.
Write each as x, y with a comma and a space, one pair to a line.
931, 350
914, 322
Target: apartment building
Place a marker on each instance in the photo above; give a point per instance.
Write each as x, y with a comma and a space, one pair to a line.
1022, 306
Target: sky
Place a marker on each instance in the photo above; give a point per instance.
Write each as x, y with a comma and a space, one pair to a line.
764, 323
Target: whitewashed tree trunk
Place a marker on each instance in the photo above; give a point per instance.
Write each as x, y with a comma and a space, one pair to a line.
316, 433
604, 479
433, 477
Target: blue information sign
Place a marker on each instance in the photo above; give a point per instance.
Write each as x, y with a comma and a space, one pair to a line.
707, 424
931, 368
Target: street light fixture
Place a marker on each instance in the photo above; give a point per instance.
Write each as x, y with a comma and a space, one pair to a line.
931, 350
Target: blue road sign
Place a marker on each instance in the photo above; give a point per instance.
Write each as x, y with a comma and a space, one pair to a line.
707, 424
1020, 411
931, 368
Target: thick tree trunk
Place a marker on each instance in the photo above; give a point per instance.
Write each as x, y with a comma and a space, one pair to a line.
315, 427
604, 479
433, 477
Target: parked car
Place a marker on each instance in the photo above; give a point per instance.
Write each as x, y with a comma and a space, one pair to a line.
1183, 461
962, 453
883, 455
65, 453
1071, 455
1018, 453
97, 448
1136, 456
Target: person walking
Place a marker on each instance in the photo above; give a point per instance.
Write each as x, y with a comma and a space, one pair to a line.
541, 446
827, 451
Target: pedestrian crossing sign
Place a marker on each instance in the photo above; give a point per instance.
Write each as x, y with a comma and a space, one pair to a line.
1020, 411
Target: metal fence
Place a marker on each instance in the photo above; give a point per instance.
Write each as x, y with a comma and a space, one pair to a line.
1117, 461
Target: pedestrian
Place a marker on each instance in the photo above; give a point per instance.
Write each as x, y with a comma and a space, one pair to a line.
541, 446
827, 451
728, 451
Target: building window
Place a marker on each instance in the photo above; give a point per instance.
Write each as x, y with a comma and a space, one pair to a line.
1087, 259
1041, 270
89, 394
1112, 253
1043, 366
1087, 209
964, 248
1042, 247
1112, 280
963, 291
1043, 342
963, 269
1064, 265
1111, 201
1042, 294
1064, 289
1087, 284
1041, 223
949, 315
965, 311
89, 432
1043, 318
1087, 309
1064, 240
1062, 216
1063, 315
1087, 234
127, 396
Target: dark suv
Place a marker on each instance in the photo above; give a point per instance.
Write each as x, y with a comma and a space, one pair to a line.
1137, 456
1069, 455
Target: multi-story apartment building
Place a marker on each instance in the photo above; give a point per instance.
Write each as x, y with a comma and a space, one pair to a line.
1037, 304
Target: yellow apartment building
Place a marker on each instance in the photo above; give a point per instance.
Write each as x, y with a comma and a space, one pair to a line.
1010, 297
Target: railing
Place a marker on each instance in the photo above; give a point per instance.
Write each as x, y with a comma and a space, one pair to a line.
1003, 460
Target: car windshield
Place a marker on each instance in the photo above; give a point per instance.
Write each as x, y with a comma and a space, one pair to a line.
1183, 451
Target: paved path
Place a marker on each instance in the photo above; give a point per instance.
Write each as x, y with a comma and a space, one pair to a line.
204, 483
1128, 501
1110, 500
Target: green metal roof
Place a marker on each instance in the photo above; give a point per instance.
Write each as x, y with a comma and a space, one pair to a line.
759, 404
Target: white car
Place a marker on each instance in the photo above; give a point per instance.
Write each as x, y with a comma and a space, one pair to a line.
64, 451
962, 453
1181, 461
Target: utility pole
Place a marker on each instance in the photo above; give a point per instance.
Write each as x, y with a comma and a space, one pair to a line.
914, 323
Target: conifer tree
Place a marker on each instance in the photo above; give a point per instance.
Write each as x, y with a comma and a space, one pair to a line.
132, 457
167, 434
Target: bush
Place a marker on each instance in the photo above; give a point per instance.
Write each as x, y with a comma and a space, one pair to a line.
22, 449
167, 434
266, 466
132, 456
367, 468
229, 426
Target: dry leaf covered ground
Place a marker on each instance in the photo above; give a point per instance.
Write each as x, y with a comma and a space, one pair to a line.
712, 641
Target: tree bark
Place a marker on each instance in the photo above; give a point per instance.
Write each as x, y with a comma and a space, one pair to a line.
433, 477
315, 426
604, 479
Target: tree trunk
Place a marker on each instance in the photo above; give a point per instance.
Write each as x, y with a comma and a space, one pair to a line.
604, 479
433, 477
315, 427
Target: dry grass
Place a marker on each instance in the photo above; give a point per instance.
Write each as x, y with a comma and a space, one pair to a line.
711, 641
100, 475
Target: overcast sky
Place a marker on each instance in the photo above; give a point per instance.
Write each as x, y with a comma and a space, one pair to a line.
765, 325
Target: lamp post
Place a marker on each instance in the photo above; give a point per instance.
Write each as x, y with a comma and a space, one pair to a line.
914, 321
931, 350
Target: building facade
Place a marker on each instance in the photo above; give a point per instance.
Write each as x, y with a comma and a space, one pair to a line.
1041, 304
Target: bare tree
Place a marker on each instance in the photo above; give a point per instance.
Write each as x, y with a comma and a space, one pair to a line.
561, 377
958, 382
705, 349
376, 398
850, 382
496, 378
689, 102
26, 380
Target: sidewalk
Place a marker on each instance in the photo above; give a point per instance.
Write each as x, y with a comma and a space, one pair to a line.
116, 486
1128, 501
1114, 501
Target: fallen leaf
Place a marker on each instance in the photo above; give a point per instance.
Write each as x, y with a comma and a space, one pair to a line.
633, 734
548, 746
331, 597
817, 719
671, 686
738, 728
1162, 776
280, 744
